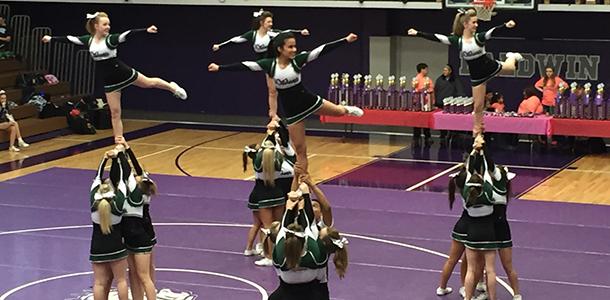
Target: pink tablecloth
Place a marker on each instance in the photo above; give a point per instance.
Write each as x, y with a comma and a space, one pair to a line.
386, 117
590, 128
539, 125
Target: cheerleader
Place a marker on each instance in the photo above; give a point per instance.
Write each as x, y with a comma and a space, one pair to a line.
108, 252
115, 74
250, 151
297, 102
472, 49
8, 123
138, 240
501, 192
299, 255
477, 189
267, 198
323, 218
458, 237
308, 279
282, 137
261, 36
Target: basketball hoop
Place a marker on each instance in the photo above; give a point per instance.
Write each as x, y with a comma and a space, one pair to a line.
484, 9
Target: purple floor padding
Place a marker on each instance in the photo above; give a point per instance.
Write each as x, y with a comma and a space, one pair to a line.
561, 250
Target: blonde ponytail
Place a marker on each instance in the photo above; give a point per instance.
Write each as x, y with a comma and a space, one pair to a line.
103, 209
460, 19
269, 167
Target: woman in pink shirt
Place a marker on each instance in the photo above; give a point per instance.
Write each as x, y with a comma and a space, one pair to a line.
531, 103
549, 86
497, 103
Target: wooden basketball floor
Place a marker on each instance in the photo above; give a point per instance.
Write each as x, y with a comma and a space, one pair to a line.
217, 153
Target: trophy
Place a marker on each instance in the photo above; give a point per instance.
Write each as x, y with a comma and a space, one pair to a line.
556, 111
447, 104
344, 90
599, 103
573, 101
427, 98
403, 94
468, 105
415, 95
453, 105
367, 93
461, 105
379, 92
585, 107
357, 90
391, 94
333, 95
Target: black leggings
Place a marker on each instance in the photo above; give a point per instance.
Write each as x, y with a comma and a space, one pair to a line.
300, 291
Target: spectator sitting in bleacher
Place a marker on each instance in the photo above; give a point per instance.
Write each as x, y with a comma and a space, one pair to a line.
5, 39
531, 102
8, 123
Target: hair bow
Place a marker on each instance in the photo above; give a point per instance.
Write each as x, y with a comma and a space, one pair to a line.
340, 242
146, 177
298, 234
257, 14
106, 195
92, 16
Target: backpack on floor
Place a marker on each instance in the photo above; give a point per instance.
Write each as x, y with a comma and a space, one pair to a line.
80, 125
50, 110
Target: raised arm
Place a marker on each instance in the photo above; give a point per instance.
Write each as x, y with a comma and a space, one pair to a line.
255, 66
291, 211
248, 36
82, 40
120, 169
274, 32
134, 161
435, 37
307, 207
325, 208
120, 194
100, 171
116, 38
305, 57
481, 37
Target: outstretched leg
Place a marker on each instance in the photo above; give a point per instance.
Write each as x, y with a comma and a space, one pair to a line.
330, 109
158, 83
510, 64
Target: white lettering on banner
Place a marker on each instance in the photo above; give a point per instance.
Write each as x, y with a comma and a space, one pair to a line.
577, 67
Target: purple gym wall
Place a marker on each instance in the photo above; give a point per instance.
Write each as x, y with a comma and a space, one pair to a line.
182, 49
